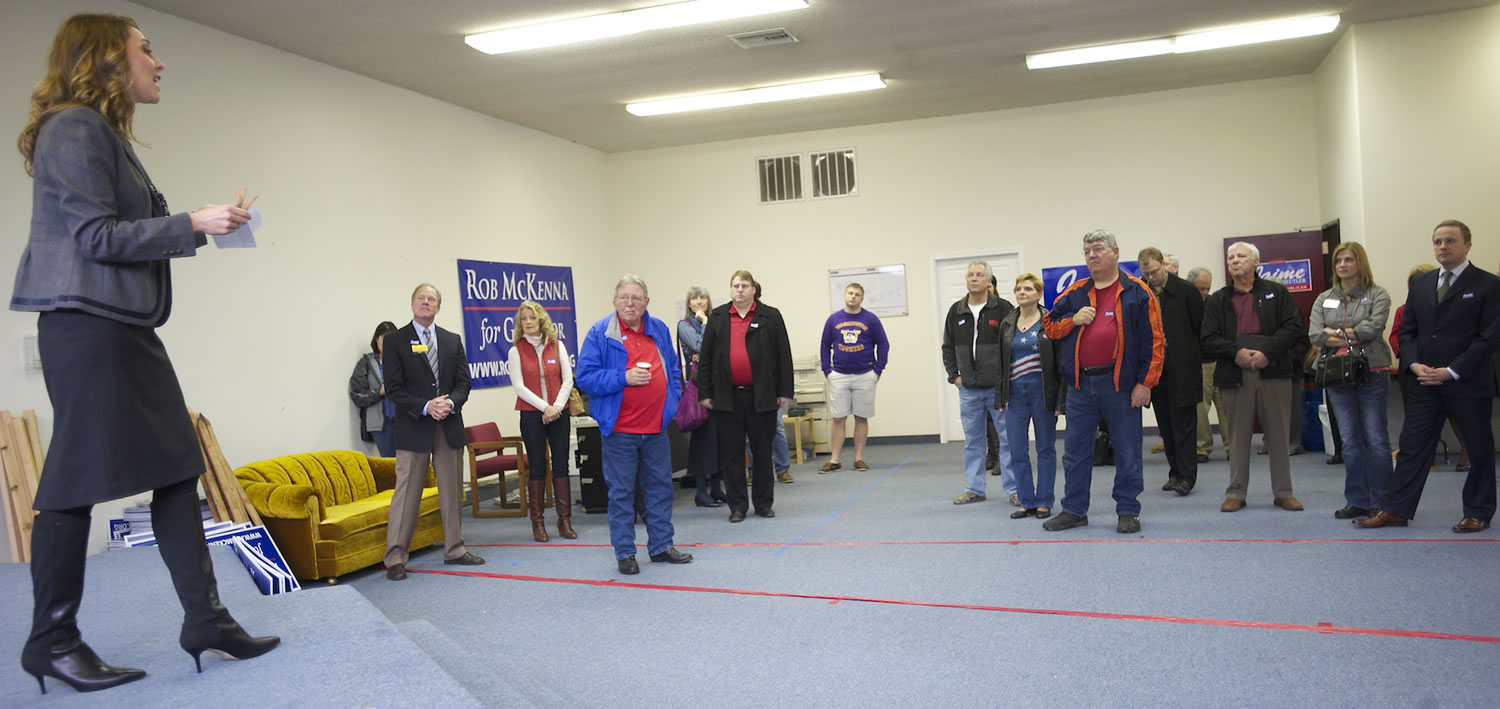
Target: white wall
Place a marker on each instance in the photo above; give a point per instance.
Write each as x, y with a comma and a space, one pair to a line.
366, 189
1340, 158
1179, 170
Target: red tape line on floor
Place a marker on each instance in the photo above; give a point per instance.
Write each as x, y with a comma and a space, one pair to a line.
1322, 628
1024, 542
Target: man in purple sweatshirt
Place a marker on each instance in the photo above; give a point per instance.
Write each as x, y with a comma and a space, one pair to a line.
854, 352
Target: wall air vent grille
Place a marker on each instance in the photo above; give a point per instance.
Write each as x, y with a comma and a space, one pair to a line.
780, 178
833, 174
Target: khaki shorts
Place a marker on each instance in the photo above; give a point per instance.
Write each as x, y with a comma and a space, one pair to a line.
851, 393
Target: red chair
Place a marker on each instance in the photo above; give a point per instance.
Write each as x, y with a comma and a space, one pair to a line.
487, 457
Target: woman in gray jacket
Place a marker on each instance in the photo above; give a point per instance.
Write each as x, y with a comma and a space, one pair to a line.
377, 414
1351, 316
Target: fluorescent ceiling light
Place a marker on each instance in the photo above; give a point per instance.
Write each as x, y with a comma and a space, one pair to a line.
614, 24
1259, 32
1194, 42
783, 92
1106, 53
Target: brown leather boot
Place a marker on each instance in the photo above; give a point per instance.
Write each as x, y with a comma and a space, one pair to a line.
536, 496
562, 500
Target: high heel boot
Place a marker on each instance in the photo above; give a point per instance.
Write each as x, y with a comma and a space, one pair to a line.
206, 625
536, 493
562, 501
716, 488
59, 543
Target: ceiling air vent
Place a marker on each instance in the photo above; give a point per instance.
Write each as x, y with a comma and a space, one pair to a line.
763, 38
833, 174
780, 178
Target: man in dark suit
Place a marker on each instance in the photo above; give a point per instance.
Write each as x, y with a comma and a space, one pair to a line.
1448, 337
1176, 396
427, 377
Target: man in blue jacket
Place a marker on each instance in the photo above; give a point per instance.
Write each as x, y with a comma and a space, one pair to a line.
1109, 328
628, 366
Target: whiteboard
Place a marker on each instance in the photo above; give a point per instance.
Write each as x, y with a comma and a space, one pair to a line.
885, 288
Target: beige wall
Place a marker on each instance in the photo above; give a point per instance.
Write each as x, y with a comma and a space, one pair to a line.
1340, 165
366, 190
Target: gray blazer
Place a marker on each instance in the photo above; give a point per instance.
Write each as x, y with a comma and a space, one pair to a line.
1365, 310
98, 244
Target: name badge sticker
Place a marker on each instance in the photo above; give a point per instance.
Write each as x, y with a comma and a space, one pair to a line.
754, 325
419, 348
1331, 303
962, 321
1270, 296
1467, 295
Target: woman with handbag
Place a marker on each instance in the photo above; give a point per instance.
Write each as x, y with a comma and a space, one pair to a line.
542, 377
1353, 366
377, 415
703, 450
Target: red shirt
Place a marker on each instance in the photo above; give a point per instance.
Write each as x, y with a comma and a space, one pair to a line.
1096, 344
739, 359
641, 406
1246, 321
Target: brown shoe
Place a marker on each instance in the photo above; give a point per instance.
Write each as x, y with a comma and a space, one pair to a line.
535, 497
1158, 448
829, 467
1381, 519
1232, 504
1288, 503
396, 572
861, 465
1469, 525
785, 476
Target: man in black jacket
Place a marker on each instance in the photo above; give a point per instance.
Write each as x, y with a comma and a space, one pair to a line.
971, 355
744, 378
1175, 398
1253, 329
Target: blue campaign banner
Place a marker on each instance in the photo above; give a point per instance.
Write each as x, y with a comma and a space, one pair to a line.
489, 294
1296, 275
1056, 280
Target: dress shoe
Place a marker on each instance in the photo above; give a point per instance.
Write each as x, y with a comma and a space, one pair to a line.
628, 566
226, 639
1183, 487
396, 572
1288, 503
767, 513
1043, 512
706, 501
1065, 520
736, 516
1022, 513
466, 560
784, 476
1232, 504
829, 467
1350, 512
78, 667
1128, 524
1469, 525
1170, 485
1334, 459
1202, 457
672, 556
1381, 519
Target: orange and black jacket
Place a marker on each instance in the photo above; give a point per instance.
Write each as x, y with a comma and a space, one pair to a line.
1140, 345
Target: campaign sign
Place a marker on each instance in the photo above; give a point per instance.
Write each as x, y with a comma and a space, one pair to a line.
1296, 275
489, 294
1057, 280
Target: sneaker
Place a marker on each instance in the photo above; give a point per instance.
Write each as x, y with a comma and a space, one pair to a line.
785, 476
1129, 524
1015, 500
1065, 520
860, 465
967, 498
831, 466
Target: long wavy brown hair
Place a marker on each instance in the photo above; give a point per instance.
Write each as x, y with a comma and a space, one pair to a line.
88, 66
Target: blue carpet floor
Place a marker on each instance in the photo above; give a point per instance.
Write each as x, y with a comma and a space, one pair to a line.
872, 589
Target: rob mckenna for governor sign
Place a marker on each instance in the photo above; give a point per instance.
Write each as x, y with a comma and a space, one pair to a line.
489, 294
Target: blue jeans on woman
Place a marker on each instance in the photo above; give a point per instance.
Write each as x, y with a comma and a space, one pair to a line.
1027, 405
1367, 440
385, 438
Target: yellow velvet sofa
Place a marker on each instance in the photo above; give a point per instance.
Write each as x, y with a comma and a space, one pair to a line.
327, 511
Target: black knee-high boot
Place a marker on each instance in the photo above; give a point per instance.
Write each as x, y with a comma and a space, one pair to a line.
206, 624
59, 543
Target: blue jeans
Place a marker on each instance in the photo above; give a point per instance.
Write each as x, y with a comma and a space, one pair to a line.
1367, 440
645, 460
974, 406
1094, 399
1027, 405
385, 438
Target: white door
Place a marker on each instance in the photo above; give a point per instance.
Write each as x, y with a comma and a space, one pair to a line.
948, 287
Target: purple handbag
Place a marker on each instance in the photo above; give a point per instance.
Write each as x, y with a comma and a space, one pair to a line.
690, 412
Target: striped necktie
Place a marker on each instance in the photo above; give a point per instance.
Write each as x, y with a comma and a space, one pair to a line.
1443, 287
431, 352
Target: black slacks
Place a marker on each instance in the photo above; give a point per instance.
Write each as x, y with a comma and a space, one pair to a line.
1178, 426
733, 427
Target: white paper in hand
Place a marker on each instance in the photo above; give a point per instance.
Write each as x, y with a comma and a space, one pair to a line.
243, 237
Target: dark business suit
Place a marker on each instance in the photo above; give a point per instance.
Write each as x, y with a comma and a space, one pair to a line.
1461, 332
410, 385
1176, 395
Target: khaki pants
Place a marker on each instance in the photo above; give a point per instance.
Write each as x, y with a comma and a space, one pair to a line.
1211, 397
411, 474
1268, 399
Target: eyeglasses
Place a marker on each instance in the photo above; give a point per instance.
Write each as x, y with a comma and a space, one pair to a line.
630, 299
1095, 250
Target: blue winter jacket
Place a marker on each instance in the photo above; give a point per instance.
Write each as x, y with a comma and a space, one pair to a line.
602, 364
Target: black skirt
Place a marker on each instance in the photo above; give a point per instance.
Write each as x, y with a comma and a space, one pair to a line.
120, 423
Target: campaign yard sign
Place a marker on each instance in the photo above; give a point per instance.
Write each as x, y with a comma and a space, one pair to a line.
489, 294
1295, 274
1057, 280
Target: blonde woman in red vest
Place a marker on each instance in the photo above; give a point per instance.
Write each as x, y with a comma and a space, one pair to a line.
542, 376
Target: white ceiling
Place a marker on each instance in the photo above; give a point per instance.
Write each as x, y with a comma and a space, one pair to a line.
939, 57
